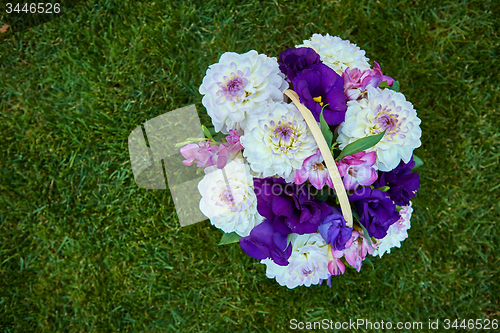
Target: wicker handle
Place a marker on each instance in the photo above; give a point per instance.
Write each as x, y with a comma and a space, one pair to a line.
327, 156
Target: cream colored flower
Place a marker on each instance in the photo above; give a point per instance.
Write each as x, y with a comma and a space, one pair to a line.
228, 198
237, 85
277, 141
337, 53
397, 233
387, 110
308, 262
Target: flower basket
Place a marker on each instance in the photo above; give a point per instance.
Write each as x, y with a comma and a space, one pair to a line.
308, 186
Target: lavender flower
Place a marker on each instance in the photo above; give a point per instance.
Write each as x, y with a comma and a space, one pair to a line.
335, 231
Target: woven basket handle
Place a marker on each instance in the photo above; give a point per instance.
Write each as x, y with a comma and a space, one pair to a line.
327, 156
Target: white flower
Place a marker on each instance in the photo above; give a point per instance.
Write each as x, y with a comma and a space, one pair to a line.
277, 141
337, 53
228, 198
396, 234
383, 110
237, 85
308, 262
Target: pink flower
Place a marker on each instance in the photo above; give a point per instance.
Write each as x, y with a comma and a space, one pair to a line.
358, 169
203, 153
356, 252
335, 265
233, 142
377, 73
356, 81
314, 171
207, 155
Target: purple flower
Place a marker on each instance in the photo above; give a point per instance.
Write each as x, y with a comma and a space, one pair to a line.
293, 61
319, 85
403, 183
357, 169
376, 211
291, 208
265, 242
314, 171
335, 231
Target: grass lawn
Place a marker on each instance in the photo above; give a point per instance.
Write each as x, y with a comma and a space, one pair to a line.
84, 249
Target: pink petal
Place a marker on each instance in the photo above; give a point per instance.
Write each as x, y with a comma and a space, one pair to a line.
222, 157
337, 254
189, 162
329, 181
300, 176
352, 256
369, 158
350, 183
189, 150
336, 267
317, 179
366, 176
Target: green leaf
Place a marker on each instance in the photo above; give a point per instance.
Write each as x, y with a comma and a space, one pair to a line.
418, 162
207, 133
325, 129
395, 86
322, 194
334, 145
355, 214
384, 188
360, 145
368, 259
288, 240
219, 136
367, 235
383, 85
230, 238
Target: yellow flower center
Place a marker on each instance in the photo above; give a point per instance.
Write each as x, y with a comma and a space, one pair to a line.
318, 99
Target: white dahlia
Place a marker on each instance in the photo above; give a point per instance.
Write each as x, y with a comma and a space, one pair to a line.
277, 140
396, 234
383, 110
307, 264
228, 198
337, 53
237, 85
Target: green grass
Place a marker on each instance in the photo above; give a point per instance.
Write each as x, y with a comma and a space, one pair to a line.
82, 248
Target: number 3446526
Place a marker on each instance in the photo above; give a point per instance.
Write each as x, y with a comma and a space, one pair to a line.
33, 8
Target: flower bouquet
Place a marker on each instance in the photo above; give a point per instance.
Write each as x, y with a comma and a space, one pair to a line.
309, 164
